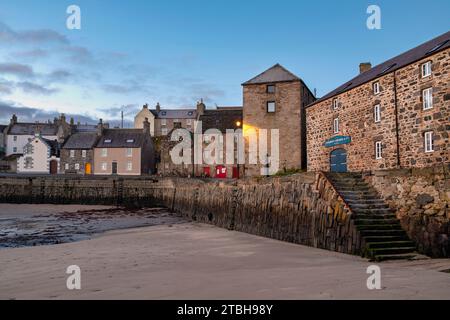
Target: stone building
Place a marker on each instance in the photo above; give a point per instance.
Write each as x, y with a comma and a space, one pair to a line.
276, 99
162, 121
77, 153
125, 152
166, 166
394, 115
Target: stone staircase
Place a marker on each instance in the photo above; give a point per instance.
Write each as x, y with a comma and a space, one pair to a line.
380, 229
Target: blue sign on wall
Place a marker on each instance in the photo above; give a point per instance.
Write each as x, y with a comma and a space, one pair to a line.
335, 141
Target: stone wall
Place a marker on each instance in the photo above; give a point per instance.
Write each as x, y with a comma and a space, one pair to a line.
421, 198
302, 208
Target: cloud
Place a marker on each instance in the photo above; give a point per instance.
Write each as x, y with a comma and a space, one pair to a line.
59, 75
30, 36
129, 110
6, 87
30, 87
32, 54
16, 69
29, 114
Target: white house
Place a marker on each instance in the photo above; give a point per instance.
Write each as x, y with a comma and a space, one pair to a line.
40, 156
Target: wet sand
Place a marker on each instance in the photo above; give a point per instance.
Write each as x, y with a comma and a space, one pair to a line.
198, 261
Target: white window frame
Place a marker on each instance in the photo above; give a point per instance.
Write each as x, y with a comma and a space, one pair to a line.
376, 87
335, 103
14, 138
378, 150
77, 166
129, 166
104, 152
14, 149
377, 113
72, 153
427, 97
129, 152
428, 141
188, 122
426, 69
269, 104
66, 166
164, 131
104, 166
163, 122
83, 153
336, 125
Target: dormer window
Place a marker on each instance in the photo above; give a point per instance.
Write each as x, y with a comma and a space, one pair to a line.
376, 88
426, 69
270, 88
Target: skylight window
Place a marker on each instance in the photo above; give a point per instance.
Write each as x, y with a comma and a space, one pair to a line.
130, 140
108, 141
440, 45
388, 68
190, 113
163, 113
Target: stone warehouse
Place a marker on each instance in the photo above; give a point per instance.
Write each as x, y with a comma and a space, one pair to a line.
276, 99
394, 115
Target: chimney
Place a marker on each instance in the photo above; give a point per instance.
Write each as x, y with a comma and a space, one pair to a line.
158, 108
200, 107
13, 119
364, 66
100, 128
146, 126
62, 118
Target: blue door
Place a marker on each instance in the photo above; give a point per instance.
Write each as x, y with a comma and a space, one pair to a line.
338, 160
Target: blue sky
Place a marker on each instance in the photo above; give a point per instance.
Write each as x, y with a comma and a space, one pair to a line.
176, 52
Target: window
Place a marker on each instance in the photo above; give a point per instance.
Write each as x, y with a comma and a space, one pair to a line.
107, 140
72, 153
336, 125
427, 96
104, 166
130, 140
15, 138
376, 88
77, 166
190, 113
271, 106
129, 152
270, 88
377, 113
66, 166
104, 152
426, 69
335, 104
189, 122
164, 131
83, 153
378, 150
15, 149
429, 141
28, 163
163, 122
129, 166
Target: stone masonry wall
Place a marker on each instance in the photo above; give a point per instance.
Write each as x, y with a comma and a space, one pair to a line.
421, 198
356, 119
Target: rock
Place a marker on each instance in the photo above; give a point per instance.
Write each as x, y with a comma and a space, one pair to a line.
424, 199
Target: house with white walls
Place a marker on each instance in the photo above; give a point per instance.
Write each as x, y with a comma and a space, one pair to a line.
39, 156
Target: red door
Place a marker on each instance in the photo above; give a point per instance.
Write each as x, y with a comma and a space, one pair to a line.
221, 172
206, 172
53, 167
235, 173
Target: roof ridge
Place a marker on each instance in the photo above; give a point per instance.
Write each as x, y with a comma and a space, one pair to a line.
277, 65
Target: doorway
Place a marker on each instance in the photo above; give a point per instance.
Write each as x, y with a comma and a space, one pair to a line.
114, 168
87, 168
338, 160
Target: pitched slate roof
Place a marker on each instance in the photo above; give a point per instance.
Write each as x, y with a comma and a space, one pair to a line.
85, 128
2, 127
176, 114
119, 138
46, 129
420, 52
277, 73
81, 140
222, 119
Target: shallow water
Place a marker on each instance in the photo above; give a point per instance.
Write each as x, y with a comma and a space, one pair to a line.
33, 225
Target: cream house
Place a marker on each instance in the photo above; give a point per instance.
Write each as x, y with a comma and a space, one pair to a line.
39, 156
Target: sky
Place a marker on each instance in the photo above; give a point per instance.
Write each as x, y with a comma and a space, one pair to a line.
176, 52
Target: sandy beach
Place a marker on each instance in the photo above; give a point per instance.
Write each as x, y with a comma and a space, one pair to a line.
197, 261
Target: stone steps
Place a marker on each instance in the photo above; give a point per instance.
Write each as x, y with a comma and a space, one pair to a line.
377, 223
